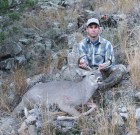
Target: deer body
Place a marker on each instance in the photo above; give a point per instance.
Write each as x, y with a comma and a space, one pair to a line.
66, 94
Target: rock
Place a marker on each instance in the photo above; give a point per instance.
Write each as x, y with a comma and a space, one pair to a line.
64, 126
7, 64
36, 79
74, 39
118, 120
29, 32
48, 44
32, 123
124, 115
9, 50
8, 125
137, 96
38, 38
25, 41
90, 14
12, 3
123, 110
72, 59
70, 73
20, 59
29, 54
71, 27
137, 113
39, 47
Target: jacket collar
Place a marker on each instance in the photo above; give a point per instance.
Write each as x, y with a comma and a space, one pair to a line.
99, 40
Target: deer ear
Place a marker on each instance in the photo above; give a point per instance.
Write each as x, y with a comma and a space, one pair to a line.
26, 112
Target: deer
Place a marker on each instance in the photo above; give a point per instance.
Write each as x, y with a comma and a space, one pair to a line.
67, 95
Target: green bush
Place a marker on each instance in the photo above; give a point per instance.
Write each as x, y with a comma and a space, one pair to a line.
2, 36
3, 5
14, 16
15, 29
30, 3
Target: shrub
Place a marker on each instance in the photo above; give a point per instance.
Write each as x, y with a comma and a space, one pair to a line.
30, 3
14, 16
3, 5
2, 36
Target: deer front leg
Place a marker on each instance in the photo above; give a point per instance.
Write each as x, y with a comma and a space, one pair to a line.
68, 109
93, 107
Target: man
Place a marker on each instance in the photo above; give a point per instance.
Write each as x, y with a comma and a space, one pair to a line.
97, 52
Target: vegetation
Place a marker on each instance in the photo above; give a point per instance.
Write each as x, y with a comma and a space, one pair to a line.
3, 5
2, 36
14, 16
30, 3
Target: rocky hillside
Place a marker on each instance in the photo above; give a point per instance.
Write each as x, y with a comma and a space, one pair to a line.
38, 40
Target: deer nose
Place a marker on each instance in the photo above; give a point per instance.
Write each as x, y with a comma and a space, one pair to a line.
99, 79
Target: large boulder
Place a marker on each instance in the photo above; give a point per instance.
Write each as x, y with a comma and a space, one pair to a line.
10, 55
9, 50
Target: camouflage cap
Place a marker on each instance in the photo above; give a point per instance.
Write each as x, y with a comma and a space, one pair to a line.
92, 20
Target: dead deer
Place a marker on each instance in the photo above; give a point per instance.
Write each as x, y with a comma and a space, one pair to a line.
66, 94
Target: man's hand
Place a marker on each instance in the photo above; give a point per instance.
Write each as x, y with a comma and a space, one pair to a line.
82, 65
102, 66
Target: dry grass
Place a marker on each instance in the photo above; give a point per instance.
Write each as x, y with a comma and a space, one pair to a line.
18, 77
107, 121
122, 35
4, 105
132, 120
42, 66
134, 64
18, 86
133, 57
35, 22
110, 6
125, 6
129, 42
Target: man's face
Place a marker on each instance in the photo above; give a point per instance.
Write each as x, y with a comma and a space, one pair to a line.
93, 30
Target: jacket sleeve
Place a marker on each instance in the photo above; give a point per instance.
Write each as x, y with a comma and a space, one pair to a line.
109, 54
82, 53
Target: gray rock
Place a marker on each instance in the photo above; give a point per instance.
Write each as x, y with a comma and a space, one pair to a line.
8, 125
72, 58
48, 44
138, 113
9, 50
12, 3
71, 27
74, 39
64, 126
29, 32
137, 96
70, 73
38, 38
39, 48
25, 41
122, 110
20, 59
124, 115
7, 64
29, 54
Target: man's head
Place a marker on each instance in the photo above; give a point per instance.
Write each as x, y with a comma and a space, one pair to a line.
93, 28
